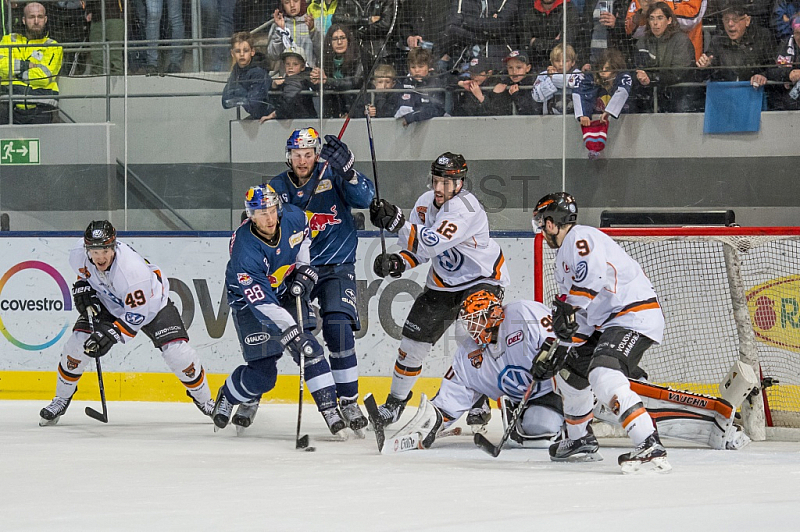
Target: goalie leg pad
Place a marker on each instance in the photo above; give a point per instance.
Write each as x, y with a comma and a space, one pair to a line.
418, 433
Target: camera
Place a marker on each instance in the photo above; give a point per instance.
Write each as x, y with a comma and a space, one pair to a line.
604, 6
426, 45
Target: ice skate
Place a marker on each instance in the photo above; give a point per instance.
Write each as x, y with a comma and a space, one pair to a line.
479, 415
584, 449
392, 409
206, 408
245, 414
649, 455
335, 422
221, 414
354, 417
53, 412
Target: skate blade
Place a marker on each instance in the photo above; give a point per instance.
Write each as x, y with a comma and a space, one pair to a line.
656, 465
580, 457
478, 429
240, 430
359, 434
48, 422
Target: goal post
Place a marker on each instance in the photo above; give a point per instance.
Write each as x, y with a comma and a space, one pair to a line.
728, 294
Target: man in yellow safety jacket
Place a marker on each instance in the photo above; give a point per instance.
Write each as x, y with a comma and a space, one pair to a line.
30, 63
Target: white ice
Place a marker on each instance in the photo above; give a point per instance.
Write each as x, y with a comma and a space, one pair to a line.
160, 466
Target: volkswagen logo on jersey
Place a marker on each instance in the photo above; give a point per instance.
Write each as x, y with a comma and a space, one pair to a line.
451, 260
580, 271
514, 380
133, 318
428, 237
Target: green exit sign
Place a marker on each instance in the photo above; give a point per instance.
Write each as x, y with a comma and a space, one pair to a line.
19, 151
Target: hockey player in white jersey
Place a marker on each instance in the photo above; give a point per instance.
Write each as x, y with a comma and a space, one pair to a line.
127, 294
608, 309
448, 227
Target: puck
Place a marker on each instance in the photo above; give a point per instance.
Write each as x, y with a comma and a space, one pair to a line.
310, 449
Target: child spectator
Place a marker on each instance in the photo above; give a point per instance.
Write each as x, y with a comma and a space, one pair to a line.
605, 92
549, 86
248, 83
293, 29
473, 100
787, 69
507, 93
342, 71
419, 103
384, 104
782, 15
297, 77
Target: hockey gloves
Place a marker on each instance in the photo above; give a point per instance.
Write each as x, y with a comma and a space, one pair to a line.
296, 342
304, 278
339, 156
84, 296
549, 362
564, 324
384, 215
100, 341
389, 264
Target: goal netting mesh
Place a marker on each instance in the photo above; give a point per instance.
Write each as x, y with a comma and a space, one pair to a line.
697, 273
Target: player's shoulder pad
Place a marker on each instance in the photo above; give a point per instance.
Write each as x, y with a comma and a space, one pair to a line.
131, 264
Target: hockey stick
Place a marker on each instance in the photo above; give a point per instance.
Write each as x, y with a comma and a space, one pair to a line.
91, 412
375, 172
481, 441
374, 417
301, 442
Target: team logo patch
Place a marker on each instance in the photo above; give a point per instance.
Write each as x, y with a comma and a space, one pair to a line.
256, 338
514, 338
324, 185
296, 239
245, 279
190, 372
514, 380
133, 318
421, 211
451, 260
580, 271
476, 358
429, 237
72, 363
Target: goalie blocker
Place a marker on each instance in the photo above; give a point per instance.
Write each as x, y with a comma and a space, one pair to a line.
684, 415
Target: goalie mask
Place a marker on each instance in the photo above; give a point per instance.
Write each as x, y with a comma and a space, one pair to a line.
300, 139
482, 313
261, 197
560, 207
99, 234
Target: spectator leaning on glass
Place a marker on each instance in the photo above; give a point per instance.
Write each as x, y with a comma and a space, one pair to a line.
474, 100
787, 69
384, 104
30, 63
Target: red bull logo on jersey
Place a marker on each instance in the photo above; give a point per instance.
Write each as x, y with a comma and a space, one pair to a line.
318, 221
774, 308
244, 279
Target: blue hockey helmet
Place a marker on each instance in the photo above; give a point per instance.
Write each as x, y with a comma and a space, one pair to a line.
261, 197
307, 137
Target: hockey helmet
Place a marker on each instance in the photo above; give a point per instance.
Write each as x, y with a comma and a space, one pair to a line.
451, 165
100, 234
559, 207
482, 313
261, 197
303, 138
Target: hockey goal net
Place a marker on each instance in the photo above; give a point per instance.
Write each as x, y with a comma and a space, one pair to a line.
728, 294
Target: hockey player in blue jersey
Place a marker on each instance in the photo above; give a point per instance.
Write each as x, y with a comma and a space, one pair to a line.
328, 200
269, 260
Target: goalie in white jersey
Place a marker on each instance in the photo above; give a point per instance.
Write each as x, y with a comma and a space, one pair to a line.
126, 294
608, 309
448, 227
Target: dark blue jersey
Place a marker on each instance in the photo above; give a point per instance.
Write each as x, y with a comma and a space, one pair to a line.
256, 270
329, 211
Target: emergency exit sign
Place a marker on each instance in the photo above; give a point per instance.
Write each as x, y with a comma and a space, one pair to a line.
19, 151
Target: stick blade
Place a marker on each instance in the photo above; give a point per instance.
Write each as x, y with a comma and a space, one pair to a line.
485, 445
94, 414
374, 417
302, 442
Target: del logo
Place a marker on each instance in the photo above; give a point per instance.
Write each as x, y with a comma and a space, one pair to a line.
39, 288
133, 318
514, 338
774, 309
244, 279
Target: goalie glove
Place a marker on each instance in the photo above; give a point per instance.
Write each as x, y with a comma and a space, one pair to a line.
105, 335
564, 324
384, 215
85, 297
550, 360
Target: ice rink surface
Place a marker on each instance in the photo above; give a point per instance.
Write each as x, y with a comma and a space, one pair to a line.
160, 466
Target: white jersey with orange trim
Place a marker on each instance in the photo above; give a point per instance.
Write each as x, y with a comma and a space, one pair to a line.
609, 287
456, 237
132, 289
501, 368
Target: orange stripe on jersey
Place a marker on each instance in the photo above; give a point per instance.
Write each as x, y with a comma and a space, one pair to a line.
196, 382
412, 239
124, 329
67, 376
583, 292
578, 420
497, 265
636, 413
636, 307
407, 372
437, 280
689, 399
409, 258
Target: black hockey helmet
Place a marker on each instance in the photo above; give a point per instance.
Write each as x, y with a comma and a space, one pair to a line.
100, 234
450, 165
559, 207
